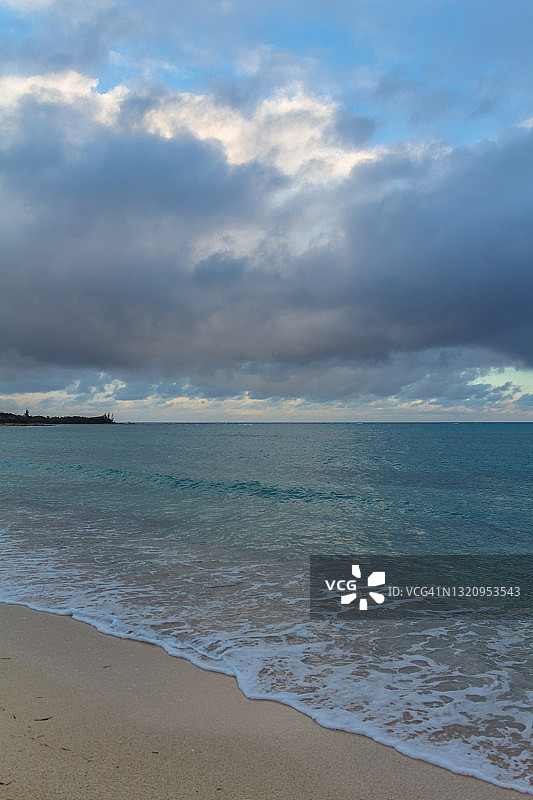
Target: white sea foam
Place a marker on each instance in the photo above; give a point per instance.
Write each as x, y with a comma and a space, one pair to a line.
399, 683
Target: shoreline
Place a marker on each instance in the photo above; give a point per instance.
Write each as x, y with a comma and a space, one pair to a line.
86, 714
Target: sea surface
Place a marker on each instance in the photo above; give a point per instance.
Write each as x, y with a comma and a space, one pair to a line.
198, 536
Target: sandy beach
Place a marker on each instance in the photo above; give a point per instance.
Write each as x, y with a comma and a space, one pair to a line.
84, 715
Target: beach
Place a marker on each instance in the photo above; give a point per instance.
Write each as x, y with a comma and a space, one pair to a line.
90, 715
196, 540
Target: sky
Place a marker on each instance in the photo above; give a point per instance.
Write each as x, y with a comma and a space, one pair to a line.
232, 210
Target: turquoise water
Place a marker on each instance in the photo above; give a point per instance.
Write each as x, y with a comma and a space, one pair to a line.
198, 537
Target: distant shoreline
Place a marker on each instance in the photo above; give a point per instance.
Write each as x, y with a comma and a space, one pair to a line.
6, 418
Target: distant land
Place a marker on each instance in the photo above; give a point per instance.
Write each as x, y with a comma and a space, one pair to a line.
6, 418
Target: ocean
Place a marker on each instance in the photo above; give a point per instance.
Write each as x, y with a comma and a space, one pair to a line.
198, 537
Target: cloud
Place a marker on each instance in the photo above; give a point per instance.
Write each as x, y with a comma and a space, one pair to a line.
286, 130
219, 250
446, 262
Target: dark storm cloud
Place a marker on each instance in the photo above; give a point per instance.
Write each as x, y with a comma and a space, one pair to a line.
449, 262
103, 264
25, 375
432, 376
110, 171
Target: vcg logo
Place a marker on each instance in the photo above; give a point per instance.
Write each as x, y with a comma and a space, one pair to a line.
350, 592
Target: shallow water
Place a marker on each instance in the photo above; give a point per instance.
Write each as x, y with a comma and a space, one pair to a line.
198, 537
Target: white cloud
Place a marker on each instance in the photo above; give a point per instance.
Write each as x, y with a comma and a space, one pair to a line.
289, 131
67, 88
